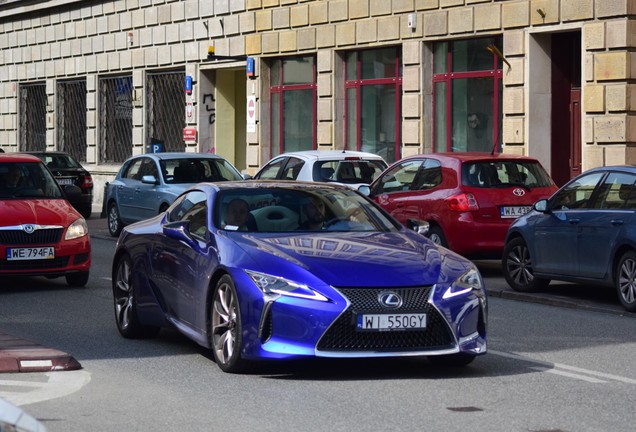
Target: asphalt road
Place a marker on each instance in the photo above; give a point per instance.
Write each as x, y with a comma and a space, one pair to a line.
548, 368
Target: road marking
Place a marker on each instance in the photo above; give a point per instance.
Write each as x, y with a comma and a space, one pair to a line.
106, 278
577, 372
568, 374
57, 384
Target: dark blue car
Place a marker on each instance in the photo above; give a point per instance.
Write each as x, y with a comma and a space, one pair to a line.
585, 232
274, 270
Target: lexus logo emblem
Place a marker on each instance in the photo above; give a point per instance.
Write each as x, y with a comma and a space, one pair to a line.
28, 228
518, 192
390, 300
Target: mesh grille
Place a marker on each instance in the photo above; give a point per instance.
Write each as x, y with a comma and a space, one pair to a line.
41, 236
343, 336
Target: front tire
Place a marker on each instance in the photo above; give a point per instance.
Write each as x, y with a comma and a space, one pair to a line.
517, 267
125, 301
115, 224
625, 281
225, 327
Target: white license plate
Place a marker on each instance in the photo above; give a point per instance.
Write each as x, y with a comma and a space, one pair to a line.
514, 211
65, 181
388, 322
38, 253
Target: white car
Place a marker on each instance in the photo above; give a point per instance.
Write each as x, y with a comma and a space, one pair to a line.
351, 168
13, 418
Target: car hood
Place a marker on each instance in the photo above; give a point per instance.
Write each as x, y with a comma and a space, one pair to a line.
37, 211
351, 259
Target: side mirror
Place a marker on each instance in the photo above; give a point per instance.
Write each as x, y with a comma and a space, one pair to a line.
364, 190
541, 206
149, 179
178, 231
419, 226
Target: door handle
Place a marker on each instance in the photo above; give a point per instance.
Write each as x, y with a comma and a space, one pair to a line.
574, 221
617, 222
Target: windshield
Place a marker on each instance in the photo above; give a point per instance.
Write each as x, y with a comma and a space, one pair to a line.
27, 180
195, 170
286, 209
497, 174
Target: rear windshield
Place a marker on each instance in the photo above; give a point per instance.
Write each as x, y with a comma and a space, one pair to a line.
348, 171
59, 161
489, 174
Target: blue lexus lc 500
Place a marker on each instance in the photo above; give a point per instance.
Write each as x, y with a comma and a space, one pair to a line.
280, 270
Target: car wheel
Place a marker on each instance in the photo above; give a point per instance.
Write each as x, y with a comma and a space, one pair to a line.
125, 300
225, 327
114, 221
452, 360
436, 234
79, 279
517, 267
626, 281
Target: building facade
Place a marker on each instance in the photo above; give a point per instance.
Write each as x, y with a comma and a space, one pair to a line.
250, 79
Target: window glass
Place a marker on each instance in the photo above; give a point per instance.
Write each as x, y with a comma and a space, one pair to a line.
134, 169
440, 61
351, 65
275, 115
298, 113
440, 117
270, 171
298, 70
472, 107
505, 173
472, 55
576, 194
400, 177
352, 119
377, 63
181, 208
428, 176
618, 191
377, 120
292, 169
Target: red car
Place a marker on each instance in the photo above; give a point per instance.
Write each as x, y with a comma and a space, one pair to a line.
41, 234
468, 199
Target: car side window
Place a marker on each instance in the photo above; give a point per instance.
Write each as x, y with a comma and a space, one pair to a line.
577, 194
133, 170
292, 169
191, 207
400, 177
618, 191
428, 176
148, 168
270, 171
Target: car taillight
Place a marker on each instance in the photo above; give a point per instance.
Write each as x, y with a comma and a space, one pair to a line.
88, 182
463, 202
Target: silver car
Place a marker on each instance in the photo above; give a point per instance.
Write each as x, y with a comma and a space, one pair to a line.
351, 168
147, 184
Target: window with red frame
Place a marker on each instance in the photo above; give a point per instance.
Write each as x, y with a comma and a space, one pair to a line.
293, 104
373, 97
467, 89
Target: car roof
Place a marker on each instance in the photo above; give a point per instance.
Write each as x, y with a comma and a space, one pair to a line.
272, 184
330, 154
473, 156
177, 155
18, 157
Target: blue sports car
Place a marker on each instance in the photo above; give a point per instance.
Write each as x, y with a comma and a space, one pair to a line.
273, 270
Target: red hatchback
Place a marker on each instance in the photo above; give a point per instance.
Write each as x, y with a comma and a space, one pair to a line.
41, 234
469, 199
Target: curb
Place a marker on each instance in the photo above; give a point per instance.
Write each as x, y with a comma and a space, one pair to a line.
20, 355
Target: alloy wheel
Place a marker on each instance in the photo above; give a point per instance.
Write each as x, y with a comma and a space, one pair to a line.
123, 294
626, 281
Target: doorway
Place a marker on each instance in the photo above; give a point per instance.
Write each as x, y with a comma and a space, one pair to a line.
566, 106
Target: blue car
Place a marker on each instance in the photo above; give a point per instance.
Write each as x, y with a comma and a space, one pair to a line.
585, 232
147, 184
268, 270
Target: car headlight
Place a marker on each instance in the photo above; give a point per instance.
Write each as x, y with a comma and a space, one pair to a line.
468, 282
276, 285
76, 230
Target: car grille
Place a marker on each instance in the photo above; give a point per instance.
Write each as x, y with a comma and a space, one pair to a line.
46, 264
20, 237
342, 336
